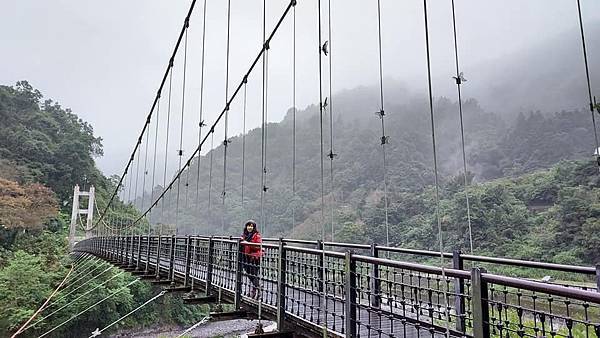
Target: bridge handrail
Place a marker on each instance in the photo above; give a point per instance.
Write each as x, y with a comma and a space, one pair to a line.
552, 289
588, 270
520, 283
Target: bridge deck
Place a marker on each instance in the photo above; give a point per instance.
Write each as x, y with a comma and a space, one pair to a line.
364, 296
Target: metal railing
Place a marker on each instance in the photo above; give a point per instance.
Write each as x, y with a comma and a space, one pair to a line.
359, 293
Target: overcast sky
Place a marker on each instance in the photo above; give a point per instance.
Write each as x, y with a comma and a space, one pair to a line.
105, 59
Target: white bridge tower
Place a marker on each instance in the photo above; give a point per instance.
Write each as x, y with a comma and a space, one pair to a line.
76, 212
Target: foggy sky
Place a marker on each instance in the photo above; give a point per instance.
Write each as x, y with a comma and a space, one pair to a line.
104, 59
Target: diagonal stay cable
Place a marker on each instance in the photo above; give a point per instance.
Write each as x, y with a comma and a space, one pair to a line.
202, 321
89, 308
82, 285
218, 119
97, 332
79, 277
22, 328
82, 265
74, 300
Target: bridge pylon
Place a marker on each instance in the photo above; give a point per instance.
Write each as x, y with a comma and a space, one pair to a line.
77, 211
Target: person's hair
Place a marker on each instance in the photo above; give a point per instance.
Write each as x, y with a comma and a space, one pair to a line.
246, 224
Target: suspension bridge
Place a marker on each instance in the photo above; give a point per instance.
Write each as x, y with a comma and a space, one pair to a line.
316, 287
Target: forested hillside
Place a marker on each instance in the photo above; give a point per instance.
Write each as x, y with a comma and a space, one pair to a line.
499, 152
44, 151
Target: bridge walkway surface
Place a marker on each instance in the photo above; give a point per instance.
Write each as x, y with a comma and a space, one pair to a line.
357, 290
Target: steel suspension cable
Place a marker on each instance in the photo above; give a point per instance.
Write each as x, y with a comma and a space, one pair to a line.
244, 148
21, 329
226, 141
435, 168
89, 308
162, 210
381, 114
459, 80
263, 156
152, 181
137, 176
294, 118
130, 181
233, 96
201, 108
97, 332
331, 154
323, 298
180, 151
145, 168
589, 85
155, 102
212, 143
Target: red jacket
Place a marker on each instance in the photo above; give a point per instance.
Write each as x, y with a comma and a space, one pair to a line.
252, 250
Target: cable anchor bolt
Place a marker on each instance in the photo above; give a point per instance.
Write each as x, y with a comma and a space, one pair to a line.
325, 48
380, 113
324, 104
384, 139
460, 78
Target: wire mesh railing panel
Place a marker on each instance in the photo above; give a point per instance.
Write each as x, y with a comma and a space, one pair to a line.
224, 264
152, 253
524, 313
180, 254
199, 260
391, 302
304, 287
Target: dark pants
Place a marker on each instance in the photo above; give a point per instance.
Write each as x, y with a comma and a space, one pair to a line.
251, 267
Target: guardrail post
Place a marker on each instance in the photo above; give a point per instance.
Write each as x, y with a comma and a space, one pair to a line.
481, 316
350, 301
598, 276
158, 248
459, 291
375, 282
139, 253
172, 260
209, 265
281, 278
123, 246
195, 258
320, 260
124, 249
237, 302
188, 259
131, 248
147, 254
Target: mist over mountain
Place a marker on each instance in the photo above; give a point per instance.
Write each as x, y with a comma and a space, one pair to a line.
507, 138
549, 76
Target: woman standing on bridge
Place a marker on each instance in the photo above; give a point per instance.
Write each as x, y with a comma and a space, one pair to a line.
252, 255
